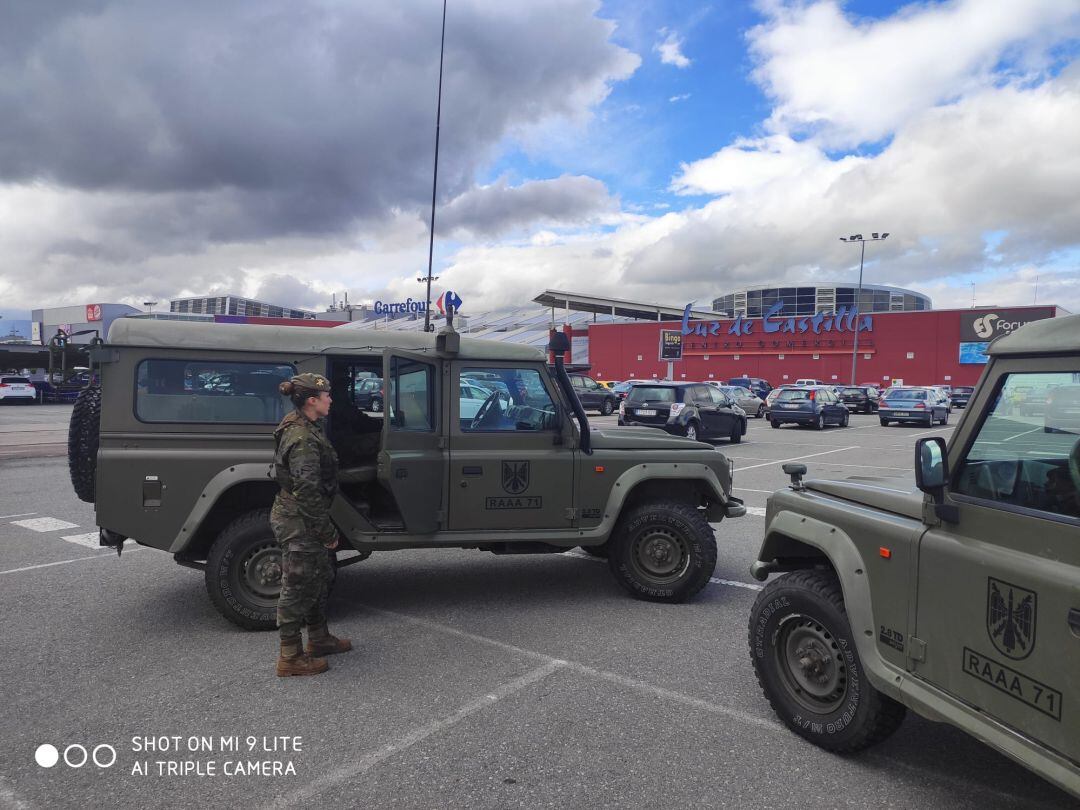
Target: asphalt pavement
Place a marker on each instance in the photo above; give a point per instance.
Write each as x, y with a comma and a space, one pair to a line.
477, 680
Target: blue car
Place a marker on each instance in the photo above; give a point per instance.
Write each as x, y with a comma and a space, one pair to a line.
919, 405
815, 406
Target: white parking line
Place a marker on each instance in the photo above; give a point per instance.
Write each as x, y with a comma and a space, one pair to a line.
44, 524
750, 510
90, 540
796, 458
936, 430
368, 761
62, 562
1025, 433
21, 514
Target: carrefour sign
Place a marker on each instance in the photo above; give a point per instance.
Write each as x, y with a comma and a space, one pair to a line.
843, 320
400, 307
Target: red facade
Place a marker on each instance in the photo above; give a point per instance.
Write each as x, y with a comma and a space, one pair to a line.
920, 348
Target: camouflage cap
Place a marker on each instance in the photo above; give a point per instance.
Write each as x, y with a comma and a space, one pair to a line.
314, 382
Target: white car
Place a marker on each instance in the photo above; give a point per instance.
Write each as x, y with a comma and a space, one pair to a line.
16, 389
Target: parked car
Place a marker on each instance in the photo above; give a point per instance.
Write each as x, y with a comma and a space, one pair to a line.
1062, 413
694, 410
746, 399
961, 395
860, 398
920, 405
942, 395
771, 398
808, 381
472, 396
594, 396
369, 394
756, 385
17, 389
815, 406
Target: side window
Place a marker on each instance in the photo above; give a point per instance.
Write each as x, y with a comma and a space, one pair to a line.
210, 391
577, 382
717, 396
411, 395
505, 399
1027, 450
591, 384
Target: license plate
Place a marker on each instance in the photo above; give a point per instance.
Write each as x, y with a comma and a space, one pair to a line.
646, 412
901, 413
791, 406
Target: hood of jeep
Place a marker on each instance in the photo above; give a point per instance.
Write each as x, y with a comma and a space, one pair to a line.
890, 494
641, 438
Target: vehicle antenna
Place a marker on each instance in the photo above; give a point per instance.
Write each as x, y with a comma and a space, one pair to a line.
435, 176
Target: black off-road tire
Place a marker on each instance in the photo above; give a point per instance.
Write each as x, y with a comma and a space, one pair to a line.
607, 407
832, 704
677, 528
236, 591
83, 435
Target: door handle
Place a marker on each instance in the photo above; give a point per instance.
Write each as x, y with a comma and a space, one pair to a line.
1074, 621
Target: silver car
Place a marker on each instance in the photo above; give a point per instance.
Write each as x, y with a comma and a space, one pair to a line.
745, 399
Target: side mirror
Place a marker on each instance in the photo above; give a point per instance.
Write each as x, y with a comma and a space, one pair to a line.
931, 466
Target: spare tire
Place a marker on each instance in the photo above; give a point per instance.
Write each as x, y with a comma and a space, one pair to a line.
83, 434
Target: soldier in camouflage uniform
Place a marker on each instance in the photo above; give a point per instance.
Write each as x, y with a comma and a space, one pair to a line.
306, 467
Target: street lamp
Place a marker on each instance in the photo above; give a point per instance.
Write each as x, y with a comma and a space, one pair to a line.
150, 304
858, 237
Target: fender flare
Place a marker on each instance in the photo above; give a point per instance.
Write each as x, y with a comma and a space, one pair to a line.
211, 494
669, 471
839, 549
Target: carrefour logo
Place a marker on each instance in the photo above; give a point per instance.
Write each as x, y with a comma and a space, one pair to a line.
984, 326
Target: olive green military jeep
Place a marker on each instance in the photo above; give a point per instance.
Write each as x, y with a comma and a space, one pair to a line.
956, 595
476, 444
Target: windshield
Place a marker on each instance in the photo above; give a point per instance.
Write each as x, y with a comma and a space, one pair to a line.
650, 393
907, 393
853, 391
963, 389
15, 380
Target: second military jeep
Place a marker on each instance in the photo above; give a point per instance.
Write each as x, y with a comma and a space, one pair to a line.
956, 594
477, 444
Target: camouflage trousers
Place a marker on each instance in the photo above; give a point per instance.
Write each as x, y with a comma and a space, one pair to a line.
305, 586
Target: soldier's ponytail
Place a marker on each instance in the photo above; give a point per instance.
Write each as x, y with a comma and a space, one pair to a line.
297, 394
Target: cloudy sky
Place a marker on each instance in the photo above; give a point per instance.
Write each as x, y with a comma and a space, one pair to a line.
664, 151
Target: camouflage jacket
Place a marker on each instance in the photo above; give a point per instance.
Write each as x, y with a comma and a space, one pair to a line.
306, 467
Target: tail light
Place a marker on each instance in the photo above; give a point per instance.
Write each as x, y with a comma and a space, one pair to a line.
4, 385
676, 408
813, 395
920, 406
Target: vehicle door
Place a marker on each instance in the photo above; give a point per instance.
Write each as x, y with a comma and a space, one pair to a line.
722, 417
510, 467
413, 460
835, 408
592, 394
999, 583
578, 384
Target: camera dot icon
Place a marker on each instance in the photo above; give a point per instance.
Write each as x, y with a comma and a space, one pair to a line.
46, 755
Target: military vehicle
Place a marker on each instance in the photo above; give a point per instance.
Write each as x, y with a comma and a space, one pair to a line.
956, 595
175, 450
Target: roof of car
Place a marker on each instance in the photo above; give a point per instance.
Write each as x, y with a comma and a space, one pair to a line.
256, 337
1049, 335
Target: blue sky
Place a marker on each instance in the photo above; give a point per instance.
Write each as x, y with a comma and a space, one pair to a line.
667, 151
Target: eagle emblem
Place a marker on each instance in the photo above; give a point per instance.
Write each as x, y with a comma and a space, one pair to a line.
515, 476
1010, 618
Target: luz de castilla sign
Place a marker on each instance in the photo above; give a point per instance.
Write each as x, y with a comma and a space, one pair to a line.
841, 321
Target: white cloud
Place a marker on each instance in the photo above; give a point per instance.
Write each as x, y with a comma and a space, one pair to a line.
670, 49
858, 81
680, 97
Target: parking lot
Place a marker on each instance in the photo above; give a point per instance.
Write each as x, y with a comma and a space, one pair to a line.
477, 680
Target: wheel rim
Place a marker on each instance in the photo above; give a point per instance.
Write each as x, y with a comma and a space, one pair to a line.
821, 422
376, 405
660, 555
811, 665
260, 573
691, 432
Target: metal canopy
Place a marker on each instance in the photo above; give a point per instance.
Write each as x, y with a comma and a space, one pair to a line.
576, 302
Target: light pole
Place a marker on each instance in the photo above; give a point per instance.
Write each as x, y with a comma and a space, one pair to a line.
150, 304
858, 237
435, 176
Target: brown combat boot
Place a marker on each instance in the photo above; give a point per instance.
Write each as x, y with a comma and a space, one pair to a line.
321, 642
292, 661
